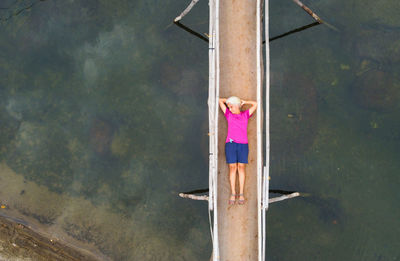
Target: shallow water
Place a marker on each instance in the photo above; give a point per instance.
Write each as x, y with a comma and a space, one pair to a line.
104, 120
341, 146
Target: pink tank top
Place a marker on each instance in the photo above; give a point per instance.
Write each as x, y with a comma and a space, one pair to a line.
237, 126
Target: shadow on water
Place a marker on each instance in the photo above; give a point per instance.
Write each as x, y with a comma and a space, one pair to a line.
330, 209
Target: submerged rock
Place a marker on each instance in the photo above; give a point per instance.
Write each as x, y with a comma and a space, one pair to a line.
121, 143
376, 53
182, 81
330, 210
169, 74
8, 130
377, 90
101, 133
378, 43
38, 151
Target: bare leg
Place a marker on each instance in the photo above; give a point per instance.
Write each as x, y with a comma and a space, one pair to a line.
242, 177
232, 179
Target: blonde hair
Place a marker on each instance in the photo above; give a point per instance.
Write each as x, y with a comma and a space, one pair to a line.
233, 100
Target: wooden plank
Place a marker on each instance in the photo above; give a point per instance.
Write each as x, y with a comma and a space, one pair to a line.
238, 224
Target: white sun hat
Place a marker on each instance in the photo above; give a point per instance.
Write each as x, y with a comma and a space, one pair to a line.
233, 100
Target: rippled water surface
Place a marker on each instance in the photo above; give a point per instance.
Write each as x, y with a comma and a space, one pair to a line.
103, 119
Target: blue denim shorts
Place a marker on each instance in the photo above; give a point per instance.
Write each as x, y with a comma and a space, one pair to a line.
236, 152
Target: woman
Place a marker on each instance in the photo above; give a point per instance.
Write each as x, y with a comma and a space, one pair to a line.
236, 146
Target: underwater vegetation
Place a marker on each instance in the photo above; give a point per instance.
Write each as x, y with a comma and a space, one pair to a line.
96, 106
376, 86
377, 90
347, 169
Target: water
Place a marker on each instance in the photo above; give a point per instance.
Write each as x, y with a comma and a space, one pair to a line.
342, 144
104, 120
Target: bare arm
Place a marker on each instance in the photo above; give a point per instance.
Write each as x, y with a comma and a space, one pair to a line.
222, 104
253, 106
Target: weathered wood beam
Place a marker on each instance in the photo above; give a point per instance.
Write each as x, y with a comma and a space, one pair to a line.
314, 15
187, 10
283, 197
271, 200
194, 197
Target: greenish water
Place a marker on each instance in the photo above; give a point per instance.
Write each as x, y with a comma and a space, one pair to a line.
106, 102
342, 146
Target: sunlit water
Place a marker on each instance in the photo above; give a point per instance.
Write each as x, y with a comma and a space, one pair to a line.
104, 120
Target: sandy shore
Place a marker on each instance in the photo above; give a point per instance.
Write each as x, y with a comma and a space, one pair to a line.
19, 241
79, 230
